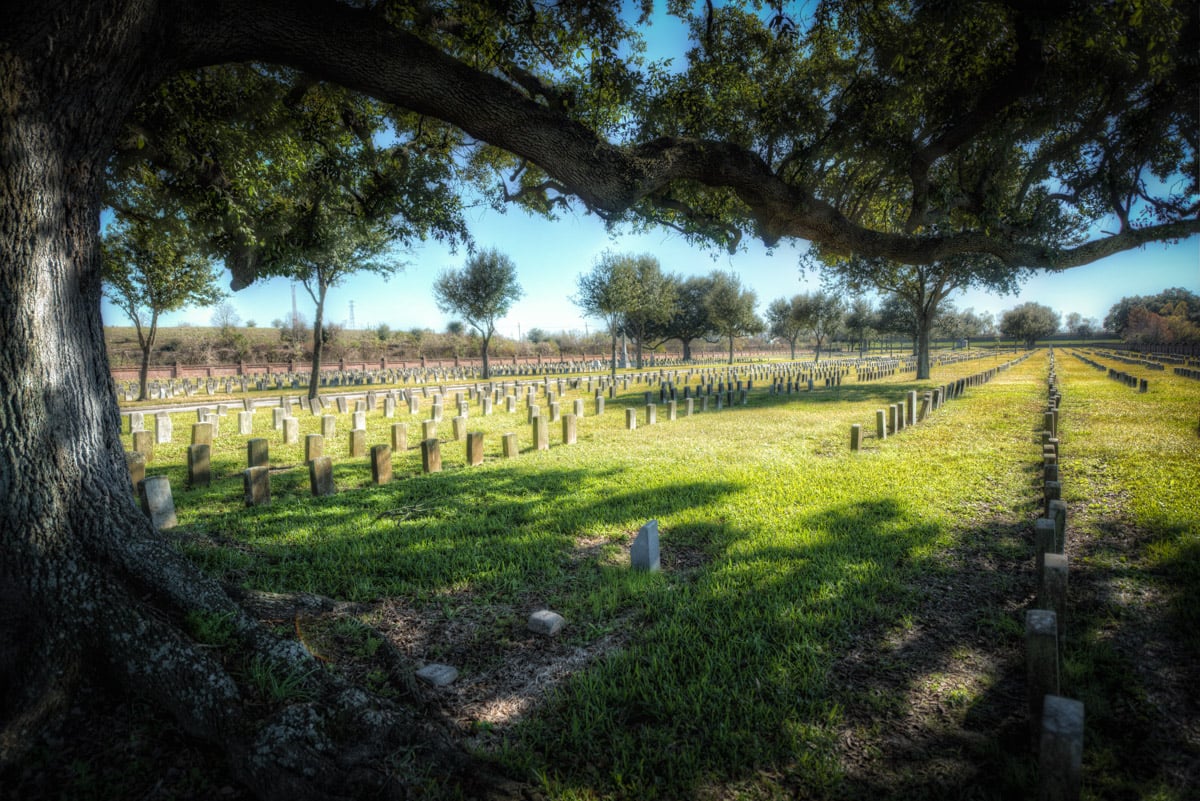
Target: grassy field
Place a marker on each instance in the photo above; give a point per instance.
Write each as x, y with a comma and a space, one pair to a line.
827, 624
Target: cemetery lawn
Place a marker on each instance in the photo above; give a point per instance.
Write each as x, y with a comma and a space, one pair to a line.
827, 624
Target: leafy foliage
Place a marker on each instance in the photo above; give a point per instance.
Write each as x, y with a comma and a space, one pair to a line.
731, 308
1029, 322
482, 292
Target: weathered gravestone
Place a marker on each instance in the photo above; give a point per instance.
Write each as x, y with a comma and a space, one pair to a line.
320, 476
644, 554
155, 496
381, 464
257, 452
256, 484
199, 473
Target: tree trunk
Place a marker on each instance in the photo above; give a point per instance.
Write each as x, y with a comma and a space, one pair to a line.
731, 349
687, 349
484, 354
85, 580
923, 348
144, 373
314, 375
614, 357
793, 344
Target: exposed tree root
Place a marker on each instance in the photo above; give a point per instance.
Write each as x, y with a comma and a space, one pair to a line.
314, 737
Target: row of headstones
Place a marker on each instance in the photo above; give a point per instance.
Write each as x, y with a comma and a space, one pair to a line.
899, 416
1146, 363
1187, 372
1055, 722
155, 492
1142, 385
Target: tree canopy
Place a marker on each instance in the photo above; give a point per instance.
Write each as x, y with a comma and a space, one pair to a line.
1029, 322
482, 292
1037, 135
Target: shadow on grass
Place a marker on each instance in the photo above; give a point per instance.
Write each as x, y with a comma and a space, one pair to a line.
766, 668
495, 532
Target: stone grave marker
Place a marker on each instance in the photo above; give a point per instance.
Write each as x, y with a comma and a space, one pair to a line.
431, 456
644, 554
256, 484
546, 623
320, 476
314, 447
475, 448
381, 464
143, 443
257, 452
154, 494
199, 473
358, 443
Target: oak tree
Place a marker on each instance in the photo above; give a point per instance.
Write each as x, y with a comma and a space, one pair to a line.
914, 133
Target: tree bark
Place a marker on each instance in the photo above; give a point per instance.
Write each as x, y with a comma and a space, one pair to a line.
923, 367
484, 354
84, 577
314, 376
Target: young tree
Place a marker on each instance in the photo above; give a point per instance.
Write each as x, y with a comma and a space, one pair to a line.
482, 291
731, 309
821, 314
881, 140
924, 287
1080, 326
151, 267
860, 321
650, 304
689, 319
605, 293
783, 321
1029, 322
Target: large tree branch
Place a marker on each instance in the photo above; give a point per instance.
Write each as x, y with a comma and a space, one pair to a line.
361, 51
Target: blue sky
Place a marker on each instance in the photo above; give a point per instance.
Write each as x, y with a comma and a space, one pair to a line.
550, 255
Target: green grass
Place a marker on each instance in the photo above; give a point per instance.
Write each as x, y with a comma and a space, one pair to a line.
791, 565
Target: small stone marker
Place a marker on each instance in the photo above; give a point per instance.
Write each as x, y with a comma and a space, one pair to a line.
541, 434
644, 554
358, 443
460, 428
1060, 751
431, 456
320, 476
360, 420
155, 496
137, 421
1041, 663
291, 431
256, 482
437, 675
198, 471
143, 443
630, 419
577, 407
855, 437
1052, 588
314, 446
599, 405
136, 463
277, 415
328, 426
245, 423
475, 448
429, 429
689, 405
399, 437
881, 428
569, 434
164, 428
546, 623
381, 464
202, 434
508, 443
651, 414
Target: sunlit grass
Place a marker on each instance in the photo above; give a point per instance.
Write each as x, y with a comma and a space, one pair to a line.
789, 549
